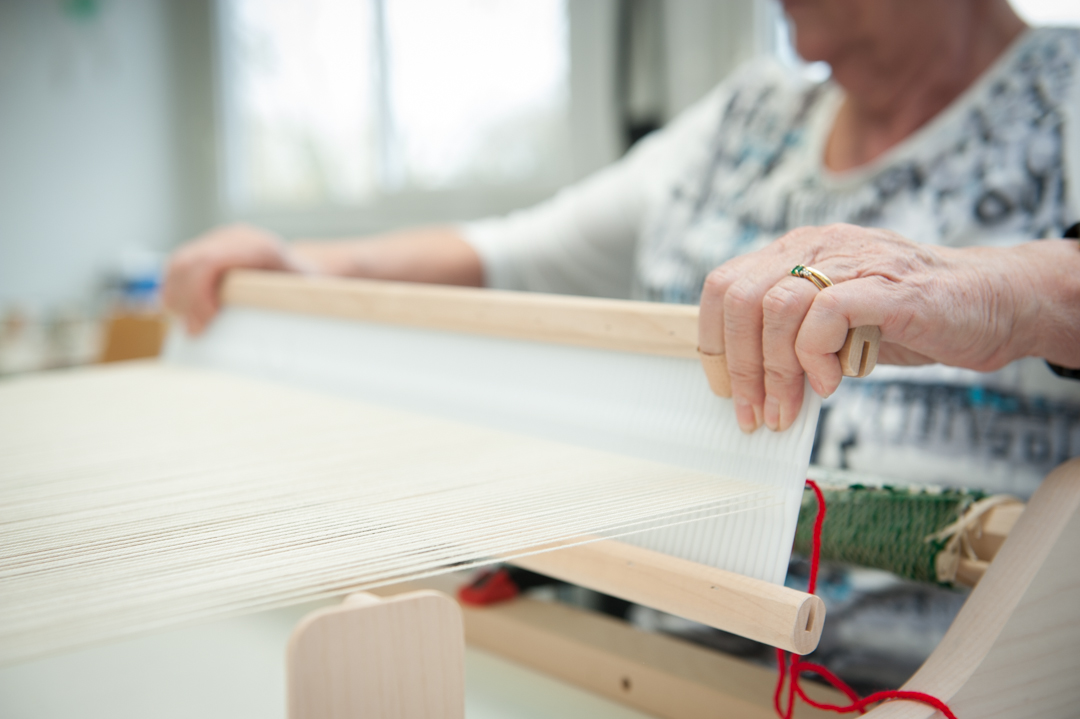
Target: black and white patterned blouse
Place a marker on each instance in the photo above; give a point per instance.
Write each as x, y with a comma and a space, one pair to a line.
990, 169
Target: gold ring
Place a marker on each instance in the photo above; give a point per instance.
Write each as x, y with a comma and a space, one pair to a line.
809, 273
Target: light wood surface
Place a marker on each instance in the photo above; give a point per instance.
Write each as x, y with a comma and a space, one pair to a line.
654, 673
1013, 652
993, 530
645, 327
399, 657
758, 610
858, 356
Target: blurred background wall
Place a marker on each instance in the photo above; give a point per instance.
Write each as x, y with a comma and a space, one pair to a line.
128, 126
87, 149
117, 125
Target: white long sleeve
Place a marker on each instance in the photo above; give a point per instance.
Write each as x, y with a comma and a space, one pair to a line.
582, 241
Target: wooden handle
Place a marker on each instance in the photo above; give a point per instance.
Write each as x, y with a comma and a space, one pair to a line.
858, 357
752, 608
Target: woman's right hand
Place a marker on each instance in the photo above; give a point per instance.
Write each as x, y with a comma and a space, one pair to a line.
195, 272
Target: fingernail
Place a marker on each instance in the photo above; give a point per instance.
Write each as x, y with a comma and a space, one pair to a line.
772, 412
745, 416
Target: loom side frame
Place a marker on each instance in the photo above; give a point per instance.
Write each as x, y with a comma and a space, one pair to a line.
397, 657
1012, 652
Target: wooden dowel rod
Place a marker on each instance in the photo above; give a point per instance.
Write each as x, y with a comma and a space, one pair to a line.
752, 608
643, 327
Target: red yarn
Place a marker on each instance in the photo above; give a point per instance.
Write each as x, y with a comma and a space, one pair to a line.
799, 666
819, 522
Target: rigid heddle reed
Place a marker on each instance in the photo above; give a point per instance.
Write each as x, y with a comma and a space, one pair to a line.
140, 497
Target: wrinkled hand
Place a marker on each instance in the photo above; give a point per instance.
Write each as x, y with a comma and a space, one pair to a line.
933, 304
195, 272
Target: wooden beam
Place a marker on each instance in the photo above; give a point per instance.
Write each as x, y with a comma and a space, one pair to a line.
752, 608
643, 327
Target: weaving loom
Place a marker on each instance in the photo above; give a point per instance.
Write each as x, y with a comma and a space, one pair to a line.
499, 425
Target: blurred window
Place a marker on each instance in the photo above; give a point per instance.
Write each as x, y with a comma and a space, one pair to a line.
338, 102
1048, 12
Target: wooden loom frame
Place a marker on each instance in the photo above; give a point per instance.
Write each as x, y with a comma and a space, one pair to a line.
1010, 653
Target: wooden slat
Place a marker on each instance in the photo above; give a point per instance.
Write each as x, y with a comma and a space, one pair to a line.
758, 610
643, 327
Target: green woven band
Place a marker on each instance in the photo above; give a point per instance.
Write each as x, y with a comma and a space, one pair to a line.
884, 528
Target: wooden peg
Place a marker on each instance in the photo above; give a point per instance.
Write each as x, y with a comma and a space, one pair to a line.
858, 357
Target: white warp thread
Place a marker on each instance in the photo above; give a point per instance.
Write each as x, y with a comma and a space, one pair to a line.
142, 497
655, 408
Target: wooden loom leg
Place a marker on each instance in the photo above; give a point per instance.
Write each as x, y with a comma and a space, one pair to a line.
1013, 652
401, 657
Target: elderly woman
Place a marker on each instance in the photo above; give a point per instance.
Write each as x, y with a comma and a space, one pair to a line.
948, 126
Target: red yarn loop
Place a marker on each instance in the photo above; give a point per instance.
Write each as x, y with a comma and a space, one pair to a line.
798, 666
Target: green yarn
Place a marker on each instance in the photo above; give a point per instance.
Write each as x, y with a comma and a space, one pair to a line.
883, 527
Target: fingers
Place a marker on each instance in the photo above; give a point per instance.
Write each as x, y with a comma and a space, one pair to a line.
753, 320
833, 312
190, 288
742, 343
783, 309
750, 312
204, 303
711, 330
193, 278
711, 314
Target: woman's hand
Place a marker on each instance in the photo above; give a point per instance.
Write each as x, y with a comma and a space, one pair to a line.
963, 307
195, 272
427, 254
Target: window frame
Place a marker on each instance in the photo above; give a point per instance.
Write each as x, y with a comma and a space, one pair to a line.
593, 130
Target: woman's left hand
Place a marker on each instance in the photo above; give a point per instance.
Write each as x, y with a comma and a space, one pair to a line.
962, 307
